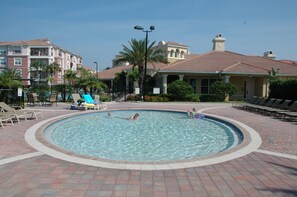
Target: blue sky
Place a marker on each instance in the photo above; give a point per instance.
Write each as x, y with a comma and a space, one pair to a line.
96, 30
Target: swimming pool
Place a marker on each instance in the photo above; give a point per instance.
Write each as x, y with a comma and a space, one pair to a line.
156, 136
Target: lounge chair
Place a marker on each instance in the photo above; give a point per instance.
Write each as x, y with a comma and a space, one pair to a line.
33, 98
252, 106
273, 104
280, 108
20, 113
290, 112
53, 99
100, 104
4, 118
89, 102
75, 98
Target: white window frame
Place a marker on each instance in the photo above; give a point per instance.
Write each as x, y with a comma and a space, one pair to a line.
17, 63
3, 61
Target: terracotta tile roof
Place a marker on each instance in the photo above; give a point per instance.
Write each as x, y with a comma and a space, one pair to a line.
226, 61
175, 44
40, 42
109, 74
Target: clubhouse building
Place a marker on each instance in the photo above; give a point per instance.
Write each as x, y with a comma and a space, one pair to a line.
248, 73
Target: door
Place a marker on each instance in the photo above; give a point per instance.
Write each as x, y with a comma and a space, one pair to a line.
249, 88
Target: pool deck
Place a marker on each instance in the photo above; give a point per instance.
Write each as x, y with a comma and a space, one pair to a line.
271, 170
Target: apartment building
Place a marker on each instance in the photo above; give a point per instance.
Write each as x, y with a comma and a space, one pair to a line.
22, 54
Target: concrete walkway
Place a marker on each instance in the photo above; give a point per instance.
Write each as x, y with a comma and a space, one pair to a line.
269, 171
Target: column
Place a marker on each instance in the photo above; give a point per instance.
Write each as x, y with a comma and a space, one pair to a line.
164, 80
181, 77
226, 78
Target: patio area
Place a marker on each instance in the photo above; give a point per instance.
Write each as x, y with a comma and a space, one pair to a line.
271, 170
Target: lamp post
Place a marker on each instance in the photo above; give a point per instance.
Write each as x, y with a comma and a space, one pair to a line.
125, 74
96, 68
145, 58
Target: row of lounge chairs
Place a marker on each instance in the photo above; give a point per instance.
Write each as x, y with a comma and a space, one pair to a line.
8, 114
278, 108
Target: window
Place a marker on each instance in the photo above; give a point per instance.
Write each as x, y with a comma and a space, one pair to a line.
205, 85
17, 61
17, 50
2, 51
2, 61
193, 84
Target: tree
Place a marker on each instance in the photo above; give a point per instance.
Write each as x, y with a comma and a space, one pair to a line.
87, 81
70, 77
10, 78
52, 69
135, 55
37, 66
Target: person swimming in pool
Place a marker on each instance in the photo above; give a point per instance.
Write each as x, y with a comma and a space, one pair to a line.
134, 117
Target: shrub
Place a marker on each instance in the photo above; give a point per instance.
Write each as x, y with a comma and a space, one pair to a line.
179, 90
105, 97
221, 89
192, 98
210, 98
283, 89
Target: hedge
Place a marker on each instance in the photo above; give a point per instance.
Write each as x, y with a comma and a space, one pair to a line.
283, 89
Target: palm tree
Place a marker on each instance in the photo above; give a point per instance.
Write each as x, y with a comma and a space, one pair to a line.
70, 77
135, 55
37, 66
10, 78
52, 69
88, 81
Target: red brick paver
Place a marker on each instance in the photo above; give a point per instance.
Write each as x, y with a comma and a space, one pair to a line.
255, 174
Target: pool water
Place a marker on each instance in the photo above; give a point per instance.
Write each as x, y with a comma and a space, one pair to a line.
155, 136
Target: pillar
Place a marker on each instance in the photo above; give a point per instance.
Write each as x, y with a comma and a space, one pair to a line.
226, 79
181, 77
164, 81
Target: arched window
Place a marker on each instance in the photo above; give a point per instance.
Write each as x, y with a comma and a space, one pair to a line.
172, 53
177, 53
182, 55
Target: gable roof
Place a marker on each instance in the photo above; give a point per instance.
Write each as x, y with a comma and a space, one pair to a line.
230, 62
213, 62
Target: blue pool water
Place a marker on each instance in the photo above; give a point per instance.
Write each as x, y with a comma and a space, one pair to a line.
154, 136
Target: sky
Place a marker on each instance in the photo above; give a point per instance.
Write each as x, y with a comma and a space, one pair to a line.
98, 29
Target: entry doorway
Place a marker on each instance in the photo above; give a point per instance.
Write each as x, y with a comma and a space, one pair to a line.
248, 88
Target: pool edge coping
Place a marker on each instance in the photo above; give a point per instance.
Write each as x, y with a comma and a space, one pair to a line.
251, 142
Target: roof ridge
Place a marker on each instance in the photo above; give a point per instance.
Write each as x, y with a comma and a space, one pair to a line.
242, 62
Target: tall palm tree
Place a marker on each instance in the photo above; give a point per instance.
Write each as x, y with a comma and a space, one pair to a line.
52, 69
37, 66
70, 77
135, 55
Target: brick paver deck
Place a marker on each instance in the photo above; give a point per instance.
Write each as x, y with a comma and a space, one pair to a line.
255, 174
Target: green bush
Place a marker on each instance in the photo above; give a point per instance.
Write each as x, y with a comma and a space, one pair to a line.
210, 98
283, 89
105, 98
179, 90
221, 89
192, 98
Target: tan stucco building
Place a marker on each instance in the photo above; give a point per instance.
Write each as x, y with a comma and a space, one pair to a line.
248, 73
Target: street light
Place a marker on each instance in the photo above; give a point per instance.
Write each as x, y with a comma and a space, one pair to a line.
96, 68
145, 58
